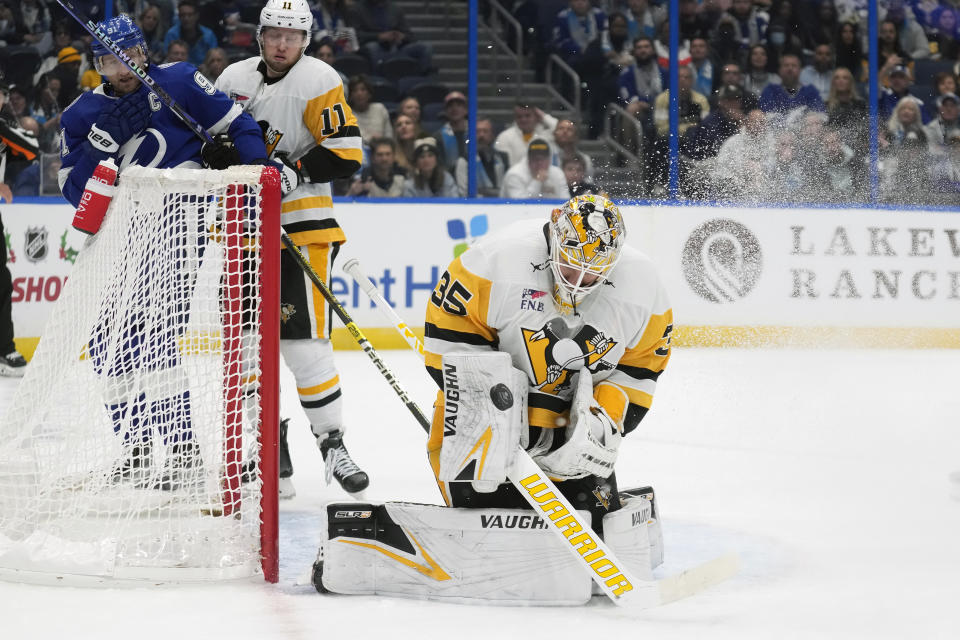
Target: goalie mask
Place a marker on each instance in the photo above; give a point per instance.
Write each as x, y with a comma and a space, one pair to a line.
586, 239
122, 31
286, 14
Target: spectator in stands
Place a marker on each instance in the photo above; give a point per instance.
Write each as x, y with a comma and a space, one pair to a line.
724, 45
46, 111
850, 49
578, 182
641, 83
661, 45
383, 178
910, 34
177, 51
566, 138
69, 71
694, 23
940, 129
62, 39
946, 37
704, 140
37, 25
742, 160
904, 120
889, 52
154, 31
214, 64
701, 66
576, 27
693, 105
383, 34
528, 123
492, 164
429, 179
843, 181
945, 172
899, 79
820, 72
790, 94
372, 117
749, 22
410, 106
846, 110
944, 82
453, 135
17, 101
330, 22
534, 176
11, 25
198, 38
730, 74
326, 52
757, 75
642, 19
406, 132
820, 26
906, 176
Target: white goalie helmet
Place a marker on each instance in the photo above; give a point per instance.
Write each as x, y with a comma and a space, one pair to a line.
586, 240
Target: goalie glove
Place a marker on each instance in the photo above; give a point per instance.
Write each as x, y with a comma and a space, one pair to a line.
290, 176
593, 439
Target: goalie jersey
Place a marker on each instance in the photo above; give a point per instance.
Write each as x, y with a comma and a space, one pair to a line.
499, 295
304, 115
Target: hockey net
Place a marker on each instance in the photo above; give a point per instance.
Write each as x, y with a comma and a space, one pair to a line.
141, 443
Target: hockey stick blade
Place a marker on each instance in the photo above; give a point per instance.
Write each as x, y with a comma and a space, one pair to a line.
545, 498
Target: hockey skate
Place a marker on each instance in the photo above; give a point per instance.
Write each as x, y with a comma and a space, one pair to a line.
135, 466
285, 488
340, 465
13, 365
183, 468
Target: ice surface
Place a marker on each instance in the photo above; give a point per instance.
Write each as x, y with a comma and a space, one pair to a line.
826, 470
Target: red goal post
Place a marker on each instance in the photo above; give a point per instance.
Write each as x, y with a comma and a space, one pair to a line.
142, 442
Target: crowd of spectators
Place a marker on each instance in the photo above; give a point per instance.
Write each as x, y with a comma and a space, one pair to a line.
771, 93
802, 64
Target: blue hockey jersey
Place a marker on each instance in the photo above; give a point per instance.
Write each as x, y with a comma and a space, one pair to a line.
166, 142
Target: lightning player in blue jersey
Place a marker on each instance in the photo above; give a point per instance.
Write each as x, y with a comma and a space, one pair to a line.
123, 120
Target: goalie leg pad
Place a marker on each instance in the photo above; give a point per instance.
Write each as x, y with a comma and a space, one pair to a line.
498, 556
485, 410
634, 536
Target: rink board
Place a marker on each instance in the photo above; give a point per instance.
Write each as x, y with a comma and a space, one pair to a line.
736, 276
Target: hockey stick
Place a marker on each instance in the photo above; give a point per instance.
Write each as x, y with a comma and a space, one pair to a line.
645, 593
159, 91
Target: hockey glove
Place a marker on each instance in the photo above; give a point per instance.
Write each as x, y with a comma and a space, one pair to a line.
290, 176
220, 154
124, 119
593, 439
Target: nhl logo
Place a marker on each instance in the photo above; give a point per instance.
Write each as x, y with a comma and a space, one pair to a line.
35, 246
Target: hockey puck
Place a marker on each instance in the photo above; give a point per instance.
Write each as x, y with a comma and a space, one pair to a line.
501, 396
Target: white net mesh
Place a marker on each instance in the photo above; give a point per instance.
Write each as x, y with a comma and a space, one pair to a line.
131, 448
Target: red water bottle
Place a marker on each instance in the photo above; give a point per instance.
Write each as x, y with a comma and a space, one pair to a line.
96, 197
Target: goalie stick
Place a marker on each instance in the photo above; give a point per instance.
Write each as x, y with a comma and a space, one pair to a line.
545, 496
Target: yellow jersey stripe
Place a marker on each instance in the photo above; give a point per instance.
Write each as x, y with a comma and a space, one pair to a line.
319, 388
310, 202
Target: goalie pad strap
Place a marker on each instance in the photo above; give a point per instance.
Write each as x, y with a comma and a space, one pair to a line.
500, 556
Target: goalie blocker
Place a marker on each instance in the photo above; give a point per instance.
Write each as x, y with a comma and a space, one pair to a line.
496, 556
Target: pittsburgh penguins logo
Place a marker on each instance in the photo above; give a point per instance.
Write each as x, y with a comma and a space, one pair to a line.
271, 136
554, 355
287, 311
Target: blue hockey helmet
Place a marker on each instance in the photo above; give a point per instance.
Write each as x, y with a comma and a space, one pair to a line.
123, 32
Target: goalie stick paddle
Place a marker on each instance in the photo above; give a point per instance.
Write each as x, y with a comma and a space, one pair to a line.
545, 498
159, 91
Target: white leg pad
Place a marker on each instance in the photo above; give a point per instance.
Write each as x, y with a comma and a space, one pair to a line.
635, 537
497, 556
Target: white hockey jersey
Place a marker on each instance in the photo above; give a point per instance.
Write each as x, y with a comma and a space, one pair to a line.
499, 295
303, 109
